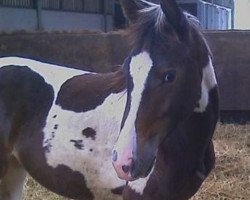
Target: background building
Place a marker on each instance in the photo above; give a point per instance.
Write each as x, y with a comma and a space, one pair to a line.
56, 15
213, 14
106, 15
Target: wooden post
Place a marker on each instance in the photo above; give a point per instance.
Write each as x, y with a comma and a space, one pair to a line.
105, 15
38, 5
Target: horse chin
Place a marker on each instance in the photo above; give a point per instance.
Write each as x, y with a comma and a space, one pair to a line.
144, 173
150, 169
128, 177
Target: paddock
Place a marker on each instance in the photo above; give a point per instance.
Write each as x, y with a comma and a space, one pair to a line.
98, 52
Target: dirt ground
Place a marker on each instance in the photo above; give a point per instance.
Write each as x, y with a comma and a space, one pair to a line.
229, 181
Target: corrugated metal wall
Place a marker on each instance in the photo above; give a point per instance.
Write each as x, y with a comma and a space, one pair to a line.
87, 6
213, 16
17, 3
56, 15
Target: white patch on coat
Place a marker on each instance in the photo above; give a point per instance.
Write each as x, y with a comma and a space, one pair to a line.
53, 74
208, 83
95, 165
94, 160
140, 66
139, 185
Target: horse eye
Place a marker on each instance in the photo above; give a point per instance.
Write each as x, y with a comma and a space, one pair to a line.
169, 76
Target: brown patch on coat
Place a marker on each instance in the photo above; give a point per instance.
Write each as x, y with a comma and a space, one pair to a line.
118, 190
86, 92
89, 133
78, 144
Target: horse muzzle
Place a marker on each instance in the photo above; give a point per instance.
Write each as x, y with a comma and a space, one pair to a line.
132, 159
130, 169
123, 166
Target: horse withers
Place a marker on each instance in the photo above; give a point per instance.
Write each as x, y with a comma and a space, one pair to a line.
158, 113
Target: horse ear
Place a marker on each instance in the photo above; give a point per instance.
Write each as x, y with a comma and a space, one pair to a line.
175, 17
131, 8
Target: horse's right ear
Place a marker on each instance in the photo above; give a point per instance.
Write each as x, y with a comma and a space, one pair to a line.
175, 17
131, 8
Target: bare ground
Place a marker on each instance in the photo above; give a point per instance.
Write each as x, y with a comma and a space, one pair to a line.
229, 181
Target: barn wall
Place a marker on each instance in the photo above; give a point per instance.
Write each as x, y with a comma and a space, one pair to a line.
100, 52
17, 19
85, 50
231, 52
59, 20
14, 19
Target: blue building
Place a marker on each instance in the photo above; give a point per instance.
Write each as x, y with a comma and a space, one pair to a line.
103, 15
59, 15
213, 14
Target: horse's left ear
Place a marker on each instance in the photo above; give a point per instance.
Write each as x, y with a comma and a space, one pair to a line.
175, 17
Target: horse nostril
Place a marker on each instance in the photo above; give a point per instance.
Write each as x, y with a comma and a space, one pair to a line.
114, 156
125, 168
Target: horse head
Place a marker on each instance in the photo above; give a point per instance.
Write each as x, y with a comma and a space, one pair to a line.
164, 75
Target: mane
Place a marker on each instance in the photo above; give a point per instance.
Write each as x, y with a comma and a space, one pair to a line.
152, 22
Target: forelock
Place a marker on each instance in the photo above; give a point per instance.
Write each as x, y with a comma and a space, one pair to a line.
152, 21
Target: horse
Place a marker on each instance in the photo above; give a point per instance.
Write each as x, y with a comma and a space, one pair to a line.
141, 132
165, 149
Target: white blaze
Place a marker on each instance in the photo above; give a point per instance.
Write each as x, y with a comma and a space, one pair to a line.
139, 69
140, 66
208, 83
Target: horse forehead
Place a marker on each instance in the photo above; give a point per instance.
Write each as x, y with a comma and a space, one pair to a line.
140, 66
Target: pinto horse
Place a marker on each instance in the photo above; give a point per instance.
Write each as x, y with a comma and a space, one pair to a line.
144, 131
164, 149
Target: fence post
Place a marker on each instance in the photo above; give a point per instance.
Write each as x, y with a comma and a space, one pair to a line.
38, 4
105, 15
